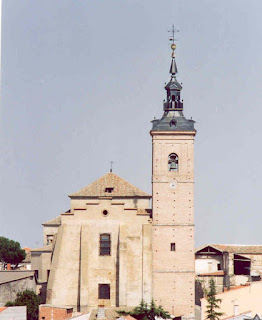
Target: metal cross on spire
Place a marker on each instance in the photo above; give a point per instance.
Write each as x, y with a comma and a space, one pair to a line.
172, 38
111, 166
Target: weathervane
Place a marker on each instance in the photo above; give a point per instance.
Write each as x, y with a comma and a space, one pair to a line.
173, 31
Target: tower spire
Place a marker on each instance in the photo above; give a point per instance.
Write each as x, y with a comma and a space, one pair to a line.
173, 87
173, 67
173, 118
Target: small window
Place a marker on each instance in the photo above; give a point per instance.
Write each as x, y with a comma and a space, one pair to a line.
173, 162
109, 190
218, 266
103, 291
173, 98
49, 239
173, 247
105, 245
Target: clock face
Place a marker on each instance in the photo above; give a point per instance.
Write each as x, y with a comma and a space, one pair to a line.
172, 185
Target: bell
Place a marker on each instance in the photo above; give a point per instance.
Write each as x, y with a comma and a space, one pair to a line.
173, 165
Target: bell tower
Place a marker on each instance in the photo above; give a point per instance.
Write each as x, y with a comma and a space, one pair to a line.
173, 203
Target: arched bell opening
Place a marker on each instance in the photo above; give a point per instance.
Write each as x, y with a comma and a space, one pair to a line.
173, 162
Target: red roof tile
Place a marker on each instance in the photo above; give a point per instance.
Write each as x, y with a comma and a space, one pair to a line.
216, 273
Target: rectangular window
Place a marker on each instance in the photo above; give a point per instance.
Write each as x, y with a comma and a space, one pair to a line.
105, 245
173, 247
103, 291
49, 239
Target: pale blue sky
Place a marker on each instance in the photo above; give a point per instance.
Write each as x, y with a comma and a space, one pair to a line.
81, 81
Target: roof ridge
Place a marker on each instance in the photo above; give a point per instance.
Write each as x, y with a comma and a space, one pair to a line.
56, 220
110, 185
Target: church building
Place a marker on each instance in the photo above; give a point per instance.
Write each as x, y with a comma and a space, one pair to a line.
110, 249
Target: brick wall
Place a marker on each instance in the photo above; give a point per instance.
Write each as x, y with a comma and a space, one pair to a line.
173, 223
55, 313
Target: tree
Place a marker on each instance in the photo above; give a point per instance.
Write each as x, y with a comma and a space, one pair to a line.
213, 302
9, 304
29, 299
145, 312
10, 251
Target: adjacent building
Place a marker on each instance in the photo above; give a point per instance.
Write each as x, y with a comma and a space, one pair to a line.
228, 265
238, 301
14, 281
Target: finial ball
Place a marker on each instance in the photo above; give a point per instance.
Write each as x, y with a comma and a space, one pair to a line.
173, 46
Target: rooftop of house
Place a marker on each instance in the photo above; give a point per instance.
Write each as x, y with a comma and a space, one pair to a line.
110, 185
55, 306
53, 222
127, 317
17, 312
47, 248
234, 248
241, 316
215, 274
14, 275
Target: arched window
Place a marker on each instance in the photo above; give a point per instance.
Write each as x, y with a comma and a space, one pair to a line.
173, 162
105, 245
173, 98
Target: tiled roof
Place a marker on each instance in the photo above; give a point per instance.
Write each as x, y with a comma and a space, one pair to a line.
9, 276
27, 249
55, 221
216, 273
111, 313
235, 248
235, 288
110, 185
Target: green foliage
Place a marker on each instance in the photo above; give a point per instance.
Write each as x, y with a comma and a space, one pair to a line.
213, 302
9, 304
146, 312
29, 299
10, 251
